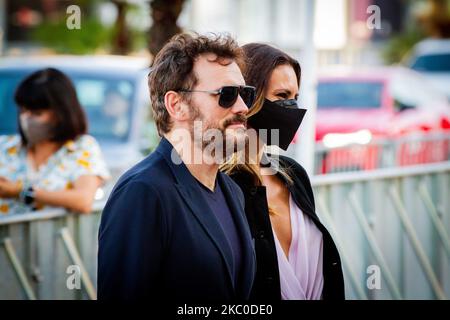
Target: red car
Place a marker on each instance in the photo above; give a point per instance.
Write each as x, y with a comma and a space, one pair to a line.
359, 108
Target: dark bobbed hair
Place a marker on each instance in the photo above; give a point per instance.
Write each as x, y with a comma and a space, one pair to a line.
51, 89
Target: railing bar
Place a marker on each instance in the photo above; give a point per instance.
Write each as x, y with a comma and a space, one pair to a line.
357, 210
75, 256
388, 142
420, 252
33, 216
437, 223
345, 259
45, 214
380, 174
11, 253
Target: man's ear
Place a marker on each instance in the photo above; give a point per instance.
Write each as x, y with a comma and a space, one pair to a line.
175, 106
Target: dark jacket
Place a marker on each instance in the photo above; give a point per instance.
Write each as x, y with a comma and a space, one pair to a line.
267, 281
158, 239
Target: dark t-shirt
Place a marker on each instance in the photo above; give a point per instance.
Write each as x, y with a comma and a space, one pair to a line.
218, 204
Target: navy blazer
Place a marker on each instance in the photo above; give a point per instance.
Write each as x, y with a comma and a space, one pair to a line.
158, 238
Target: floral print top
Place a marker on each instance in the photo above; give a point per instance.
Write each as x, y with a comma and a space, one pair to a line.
74, 159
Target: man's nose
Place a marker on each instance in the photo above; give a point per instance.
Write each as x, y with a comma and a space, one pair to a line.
239, 106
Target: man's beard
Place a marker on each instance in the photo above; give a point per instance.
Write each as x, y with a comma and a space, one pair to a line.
215, 137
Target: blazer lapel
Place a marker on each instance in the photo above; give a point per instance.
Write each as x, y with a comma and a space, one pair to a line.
248, 254
190, 190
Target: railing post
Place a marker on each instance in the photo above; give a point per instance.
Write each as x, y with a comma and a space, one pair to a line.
420, 252
437, 223
18, 269
75, 256
370, 237
345, 259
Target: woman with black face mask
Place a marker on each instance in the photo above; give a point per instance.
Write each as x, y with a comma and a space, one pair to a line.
296, 256
51, 162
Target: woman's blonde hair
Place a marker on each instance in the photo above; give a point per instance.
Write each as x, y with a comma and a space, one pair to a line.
261, 60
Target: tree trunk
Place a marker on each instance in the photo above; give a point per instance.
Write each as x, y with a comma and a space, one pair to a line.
436, 21
164, 15
121, 42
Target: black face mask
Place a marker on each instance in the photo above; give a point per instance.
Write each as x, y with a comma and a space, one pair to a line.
284, 115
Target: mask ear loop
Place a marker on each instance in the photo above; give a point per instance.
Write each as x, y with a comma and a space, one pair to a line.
271, 163
265, 161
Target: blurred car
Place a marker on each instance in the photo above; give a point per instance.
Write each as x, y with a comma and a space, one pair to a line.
431, 57
113, 92
359, 107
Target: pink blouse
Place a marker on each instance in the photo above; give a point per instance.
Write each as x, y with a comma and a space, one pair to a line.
301, 275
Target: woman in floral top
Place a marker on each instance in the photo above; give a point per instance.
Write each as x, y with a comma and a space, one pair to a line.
52, 161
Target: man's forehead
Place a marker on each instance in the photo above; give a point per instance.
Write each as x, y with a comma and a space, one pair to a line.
209, 69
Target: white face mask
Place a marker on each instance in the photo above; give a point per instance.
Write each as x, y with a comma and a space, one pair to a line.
34, 130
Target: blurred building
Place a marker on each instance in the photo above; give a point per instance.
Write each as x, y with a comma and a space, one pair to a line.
341, 31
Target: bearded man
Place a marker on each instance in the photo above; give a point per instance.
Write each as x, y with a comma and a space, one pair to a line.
174, 227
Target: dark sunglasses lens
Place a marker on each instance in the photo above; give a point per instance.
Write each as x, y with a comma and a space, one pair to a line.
228, 96
248, 95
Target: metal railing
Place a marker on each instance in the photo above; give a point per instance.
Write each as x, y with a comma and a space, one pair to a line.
383, 153
37, 249
396, 219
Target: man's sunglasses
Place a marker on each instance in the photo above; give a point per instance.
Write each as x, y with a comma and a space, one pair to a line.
229, 94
